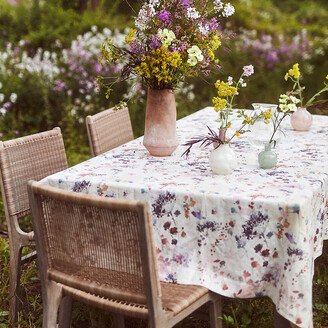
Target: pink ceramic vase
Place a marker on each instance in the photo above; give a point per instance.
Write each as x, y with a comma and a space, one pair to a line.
301, 120
160, 137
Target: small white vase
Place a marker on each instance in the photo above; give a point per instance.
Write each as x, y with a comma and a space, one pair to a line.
223, 160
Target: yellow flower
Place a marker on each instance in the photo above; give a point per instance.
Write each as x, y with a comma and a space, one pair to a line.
215, 42
327, 77
224, 89
267, 116
130, 36
219, 103
248, 119
237, 133
294, 72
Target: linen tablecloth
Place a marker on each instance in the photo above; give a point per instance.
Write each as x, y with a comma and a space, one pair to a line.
252, 233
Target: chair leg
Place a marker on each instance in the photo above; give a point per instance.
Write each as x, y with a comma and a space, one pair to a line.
65, 312
215, 313
51, 304
280, 321
14, 282
118, 321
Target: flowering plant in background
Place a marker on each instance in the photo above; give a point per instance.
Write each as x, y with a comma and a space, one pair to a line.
224, 105
172, 40
296, 93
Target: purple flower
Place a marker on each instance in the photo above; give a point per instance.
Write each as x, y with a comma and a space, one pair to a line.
164, 16
59, 85
136, 48
185, 3
213, 24
248, 70
154, 42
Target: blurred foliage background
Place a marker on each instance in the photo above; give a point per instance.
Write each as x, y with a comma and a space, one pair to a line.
48, 64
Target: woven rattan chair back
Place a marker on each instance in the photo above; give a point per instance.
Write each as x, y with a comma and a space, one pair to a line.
98, 245
108, 129
22, 159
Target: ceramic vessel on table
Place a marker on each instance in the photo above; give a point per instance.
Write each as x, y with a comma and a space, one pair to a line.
301, 120
267, 158
223, 160
160, 136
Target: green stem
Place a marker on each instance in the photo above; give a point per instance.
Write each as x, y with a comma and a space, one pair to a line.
275, 127
316, 95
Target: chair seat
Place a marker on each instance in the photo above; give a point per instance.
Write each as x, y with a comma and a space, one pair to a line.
175, 298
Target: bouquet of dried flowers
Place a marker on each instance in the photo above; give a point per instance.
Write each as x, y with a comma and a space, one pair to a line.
172, 40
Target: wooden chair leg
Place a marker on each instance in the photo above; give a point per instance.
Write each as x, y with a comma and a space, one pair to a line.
51, 304
280, 321
14, 282
118, 321
215, 313
65, 312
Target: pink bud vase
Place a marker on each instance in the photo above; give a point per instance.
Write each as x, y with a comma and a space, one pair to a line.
160, 137
301, 120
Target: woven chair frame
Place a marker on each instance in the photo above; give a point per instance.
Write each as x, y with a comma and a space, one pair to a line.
108, 129
22, 159
100, 251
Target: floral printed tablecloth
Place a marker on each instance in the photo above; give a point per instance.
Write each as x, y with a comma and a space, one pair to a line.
253, 233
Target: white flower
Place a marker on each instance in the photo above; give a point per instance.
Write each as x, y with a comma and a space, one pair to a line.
87, 97
292, 107
194, 51
94, 29
192, 13
2, 97
194, 55
218, 5
294, 100
3, 111
283, 99
13, 97
192, 61
167, 36
204, 29
230, 80
244, 85
228, 10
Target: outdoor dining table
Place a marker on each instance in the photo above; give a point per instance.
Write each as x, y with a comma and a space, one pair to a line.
252, 233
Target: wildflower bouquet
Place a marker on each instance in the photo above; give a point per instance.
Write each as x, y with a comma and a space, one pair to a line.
172, 40
294, 75
223, 105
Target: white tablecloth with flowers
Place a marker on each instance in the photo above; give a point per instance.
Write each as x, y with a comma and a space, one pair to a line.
252, 233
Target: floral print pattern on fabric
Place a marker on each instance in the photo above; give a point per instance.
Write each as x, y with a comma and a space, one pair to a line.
253, 233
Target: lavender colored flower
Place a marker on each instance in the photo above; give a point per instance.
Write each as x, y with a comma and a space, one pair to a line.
154, 42
185, 3
213, 24
248, 70
136, 48
59, 85
164, 16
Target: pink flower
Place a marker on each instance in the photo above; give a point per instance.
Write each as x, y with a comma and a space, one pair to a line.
248, 70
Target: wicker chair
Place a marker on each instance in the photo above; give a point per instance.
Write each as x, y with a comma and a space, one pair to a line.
22, 159
100, 251
108, 129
